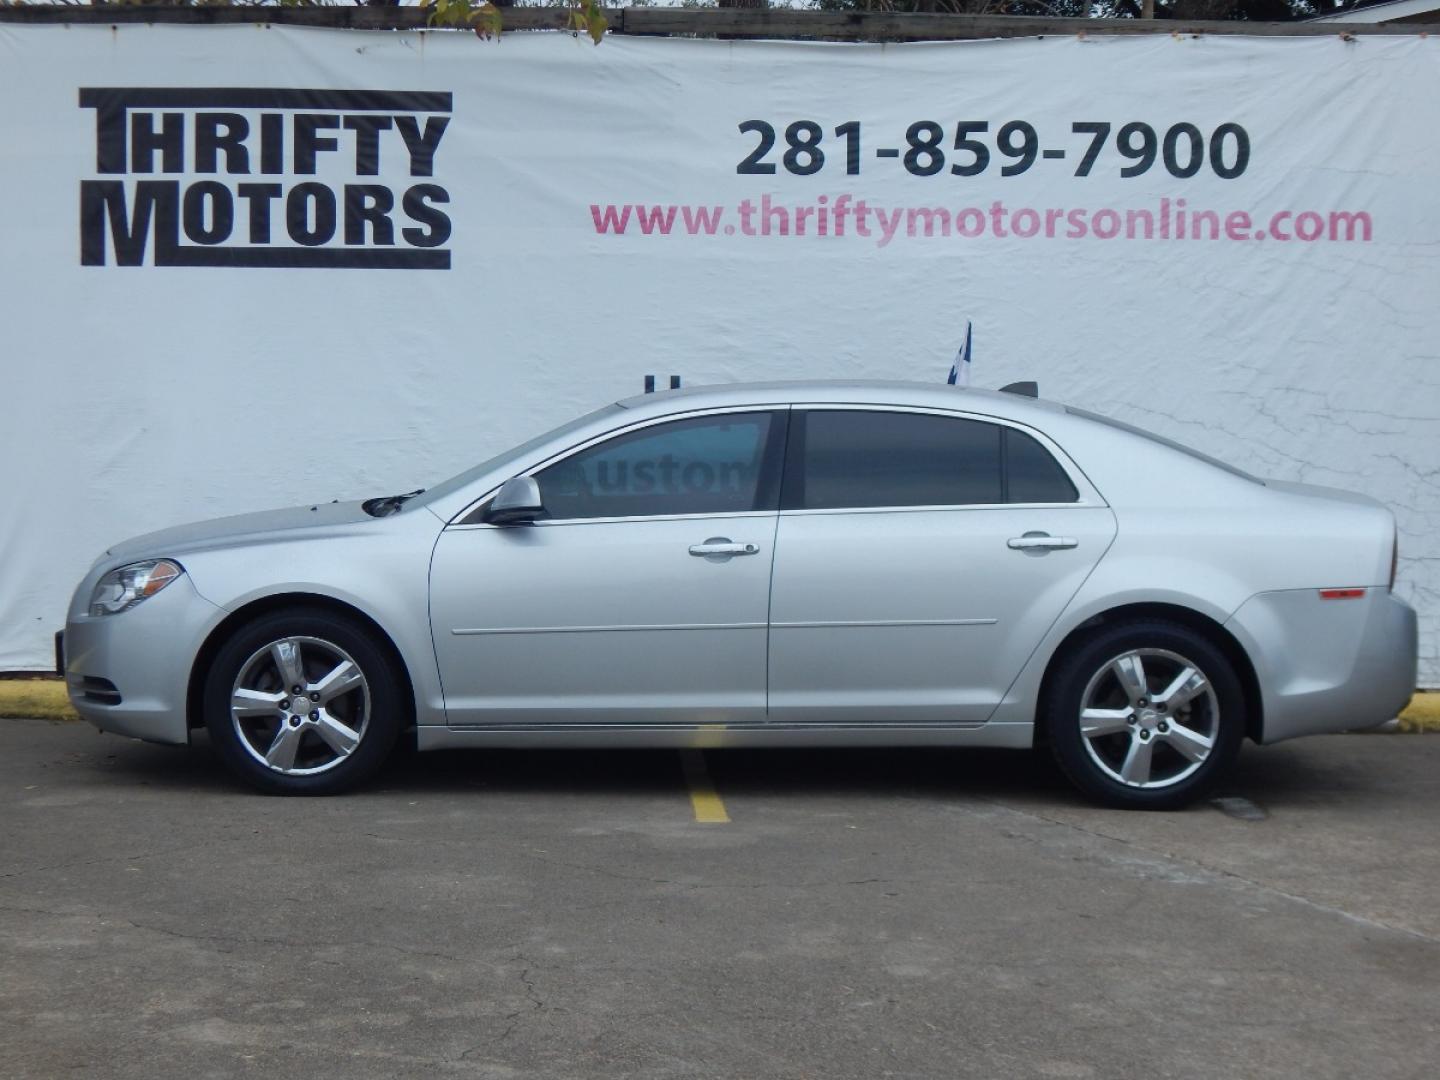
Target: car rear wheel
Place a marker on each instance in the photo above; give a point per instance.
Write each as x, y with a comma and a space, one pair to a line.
1145, 715
303, 703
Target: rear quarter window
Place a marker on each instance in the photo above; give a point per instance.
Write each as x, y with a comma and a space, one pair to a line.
1032, 475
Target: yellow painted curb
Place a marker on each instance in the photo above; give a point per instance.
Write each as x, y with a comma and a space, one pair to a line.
41, 699
44, 699
1423, 712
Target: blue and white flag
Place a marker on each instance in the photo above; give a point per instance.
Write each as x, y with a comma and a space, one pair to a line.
960, 370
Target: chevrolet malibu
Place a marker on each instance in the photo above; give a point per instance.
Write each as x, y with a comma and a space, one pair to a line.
823, 564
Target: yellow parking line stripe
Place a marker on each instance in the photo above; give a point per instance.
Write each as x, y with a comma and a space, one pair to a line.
703, 798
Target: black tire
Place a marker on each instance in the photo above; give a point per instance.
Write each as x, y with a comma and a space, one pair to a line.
1103, 667
373, 710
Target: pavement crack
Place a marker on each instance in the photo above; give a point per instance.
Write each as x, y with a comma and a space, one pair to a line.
595, 869
512, 1019
239, 939
537, 1004
1222, 873
76, 863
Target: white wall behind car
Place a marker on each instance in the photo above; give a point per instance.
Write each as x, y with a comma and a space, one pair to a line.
247, 363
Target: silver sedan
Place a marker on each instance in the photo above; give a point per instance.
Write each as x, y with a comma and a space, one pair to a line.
811, 564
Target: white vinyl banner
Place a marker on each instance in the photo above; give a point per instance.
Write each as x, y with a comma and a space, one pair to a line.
252, 267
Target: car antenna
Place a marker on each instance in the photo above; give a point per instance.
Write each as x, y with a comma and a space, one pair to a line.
1023, 389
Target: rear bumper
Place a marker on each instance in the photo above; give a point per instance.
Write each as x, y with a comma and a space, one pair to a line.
129, 673
1328, 665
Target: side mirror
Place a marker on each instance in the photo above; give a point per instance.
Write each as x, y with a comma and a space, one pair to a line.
516, 503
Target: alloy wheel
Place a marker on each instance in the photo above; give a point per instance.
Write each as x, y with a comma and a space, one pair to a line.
300, 705
1149, 718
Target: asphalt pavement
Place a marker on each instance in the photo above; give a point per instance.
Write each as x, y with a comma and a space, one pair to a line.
859, 915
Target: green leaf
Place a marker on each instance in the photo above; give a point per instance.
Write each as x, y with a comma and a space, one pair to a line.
597, 23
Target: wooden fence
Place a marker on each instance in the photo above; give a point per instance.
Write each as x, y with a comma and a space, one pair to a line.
731, 23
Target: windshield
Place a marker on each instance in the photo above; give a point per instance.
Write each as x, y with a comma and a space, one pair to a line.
469, 476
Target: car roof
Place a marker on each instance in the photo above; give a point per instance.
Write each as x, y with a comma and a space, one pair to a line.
1087, 437
1113, 457
844, 391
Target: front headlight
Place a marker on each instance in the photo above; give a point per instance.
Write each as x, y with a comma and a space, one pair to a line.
123, 588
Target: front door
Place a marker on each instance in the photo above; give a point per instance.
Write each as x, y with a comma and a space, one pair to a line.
920, 558
640, 598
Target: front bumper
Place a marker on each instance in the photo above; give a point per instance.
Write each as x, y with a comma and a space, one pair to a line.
1328, 664
129, 673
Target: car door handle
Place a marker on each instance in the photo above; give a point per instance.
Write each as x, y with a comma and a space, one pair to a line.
722, 546
1043, 541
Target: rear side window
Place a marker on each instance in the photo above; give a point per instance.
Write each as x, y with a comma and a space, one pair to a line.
854, 459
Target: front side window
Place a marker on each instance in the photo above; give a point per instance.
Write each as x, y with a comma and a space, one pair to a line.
701, 465
854, 459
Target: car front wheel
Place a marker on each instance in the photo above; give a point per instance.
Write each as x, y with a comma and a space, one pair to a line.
1145, 715
302, 702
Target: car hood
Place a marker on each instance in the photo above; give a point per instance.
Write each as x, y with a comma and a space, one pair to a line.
323, 518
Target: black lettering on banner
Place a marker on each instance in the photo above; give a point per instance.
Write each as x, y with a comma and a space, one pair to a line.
212, 223
272, 144
1182, 147
437, 222
146, 141
367, 141
210, 142
310, 214
308, 142
369, 204
259, 197
102, 200
422, 144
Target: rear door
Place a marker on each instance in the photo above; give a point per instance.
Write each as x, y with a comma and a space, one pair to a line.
920, 557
